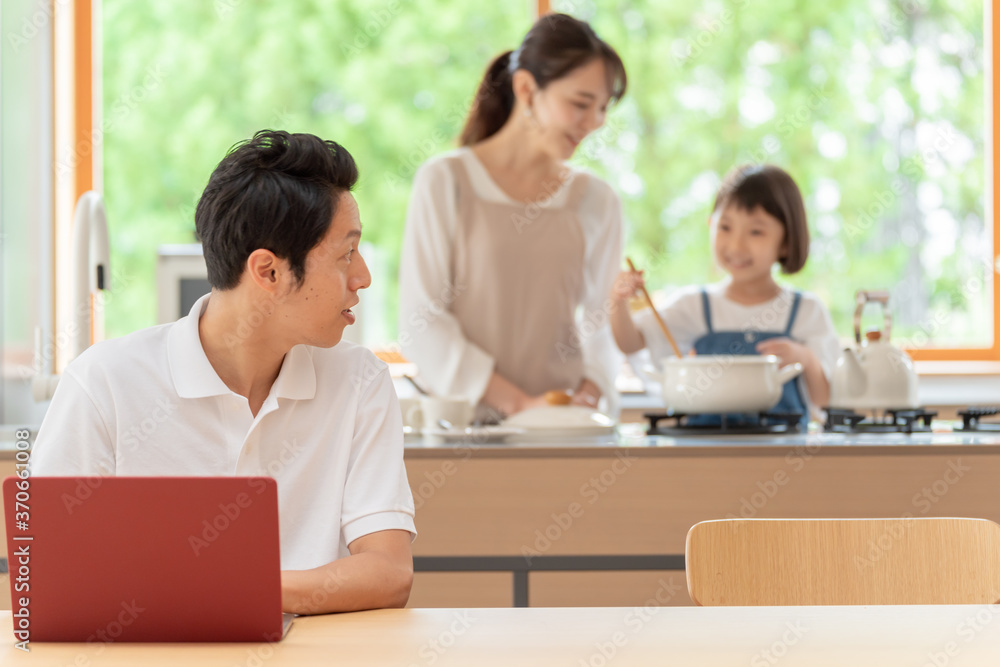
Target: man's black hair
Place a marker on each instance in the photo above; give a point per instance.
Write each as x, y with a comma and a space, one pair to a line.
276, 191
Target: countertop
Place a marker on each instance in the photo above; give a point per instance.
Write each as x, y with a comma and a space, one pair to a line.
882, 636
632, 436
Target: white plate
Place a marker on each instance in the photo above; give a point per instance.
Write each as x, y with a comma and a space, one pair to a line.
572, 419
564, 433
474, 434
560, 422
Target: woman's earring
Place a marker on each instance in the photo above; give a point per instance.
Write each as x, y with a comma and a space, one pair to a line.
527, 112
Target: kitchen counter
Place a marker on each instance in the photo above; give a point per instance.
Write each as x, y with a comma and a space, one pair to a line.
603, 520
633, 436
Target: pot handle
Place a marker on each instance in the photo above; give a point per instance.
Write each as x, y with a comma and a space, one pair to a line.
788, 372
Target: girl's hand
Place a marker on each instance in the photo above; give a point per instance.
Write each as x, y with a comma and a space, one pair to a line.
627, 283
787, 350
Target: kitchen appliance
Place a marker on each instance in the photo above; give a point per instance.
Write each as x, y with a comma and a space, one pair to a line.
182, 279
761, 423
721, 383
972, 419
891, 421
873, 375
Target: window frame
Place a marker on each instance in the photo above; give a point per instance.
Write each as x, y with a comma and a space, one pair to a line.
78, 98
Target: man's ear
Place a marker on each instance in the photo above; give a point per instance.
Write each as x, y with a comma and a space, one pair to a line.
266, 270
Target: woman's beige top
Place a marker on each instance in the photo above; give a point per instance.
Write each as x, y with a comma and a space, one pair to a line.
488, 283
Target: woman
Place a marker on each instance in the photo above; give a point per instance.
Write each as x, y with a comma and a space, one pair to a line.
505, 243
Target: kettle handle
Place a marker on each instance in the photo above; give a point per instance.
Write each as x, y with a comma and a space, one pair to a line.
863, 297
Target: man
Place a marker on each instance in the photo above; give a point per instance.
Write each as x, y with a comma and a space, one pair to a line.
255, 380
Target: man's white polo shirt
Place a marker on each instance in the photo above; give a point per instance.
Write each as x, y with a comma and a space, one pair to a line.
150, 404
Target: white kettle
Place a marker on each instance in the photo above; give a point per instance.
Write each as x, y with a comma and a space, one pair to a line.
873, 375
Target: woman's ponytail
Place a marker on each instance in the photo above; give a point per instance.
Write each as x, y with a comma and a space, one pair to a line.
493, 102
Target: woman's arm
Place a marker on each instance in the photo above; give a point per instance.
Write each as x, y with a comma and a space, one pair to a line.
601, 219
429, 335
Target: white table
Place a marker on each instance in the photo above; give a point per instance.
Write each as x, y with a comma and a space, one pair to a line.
911, 636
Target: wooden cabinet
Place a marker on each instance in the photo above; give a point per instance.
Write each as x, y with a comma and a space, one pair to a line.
501, 501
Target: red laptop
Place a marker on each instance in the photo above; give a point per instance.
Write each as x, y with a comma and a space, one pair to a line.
144, 559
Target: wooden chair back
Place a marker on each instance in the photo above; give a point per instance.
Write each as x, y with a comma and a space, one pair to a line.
844, 561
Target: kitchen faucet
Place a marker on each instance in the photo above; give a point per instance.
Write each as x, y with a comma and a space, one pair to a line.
90, 256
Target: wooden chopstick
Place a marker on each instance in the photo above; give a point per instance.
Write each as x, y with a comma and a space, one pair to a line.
663, 325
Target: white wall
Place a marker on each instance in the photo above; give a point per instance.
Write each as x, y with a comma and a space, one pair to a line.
25, 198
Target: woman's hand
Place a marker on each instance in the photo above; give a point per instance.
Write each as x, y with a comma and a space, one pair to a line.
587, 394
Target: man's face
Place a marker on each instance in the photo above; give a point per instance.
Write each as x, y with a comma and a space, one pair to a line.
319, 310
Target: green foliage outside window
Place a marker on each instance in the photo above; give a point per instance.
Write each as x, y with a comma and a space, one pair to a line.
875, 106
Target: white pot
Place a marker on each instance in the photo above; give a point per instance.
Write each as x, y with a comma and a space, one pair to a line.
719, 383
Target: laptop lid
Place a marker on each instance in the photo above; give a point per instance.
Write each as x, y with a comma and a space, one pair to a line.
144, 559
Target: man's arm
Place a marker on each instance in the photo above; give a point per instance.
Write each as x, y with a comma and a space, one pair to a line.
74, 438
377, 574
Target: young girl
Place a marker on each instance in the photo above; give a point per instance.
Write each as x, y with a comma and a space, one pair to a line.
758, 220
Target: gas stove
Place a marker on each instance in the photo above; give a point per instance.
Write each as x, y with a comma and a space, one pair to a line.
889, 421
971, 419
871, 425
759, 423
909, 421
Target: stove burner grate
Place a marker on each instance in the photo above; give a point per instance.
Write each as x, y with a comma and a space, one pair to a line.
971, 416
895, 421
756, 423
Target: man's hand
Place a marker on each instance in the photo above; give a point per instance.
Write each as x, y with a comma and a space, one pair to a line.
378, 574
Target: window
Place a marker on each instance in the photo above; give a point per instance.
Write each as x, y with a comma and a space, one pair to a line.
882, 111
879, 108
182, 83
